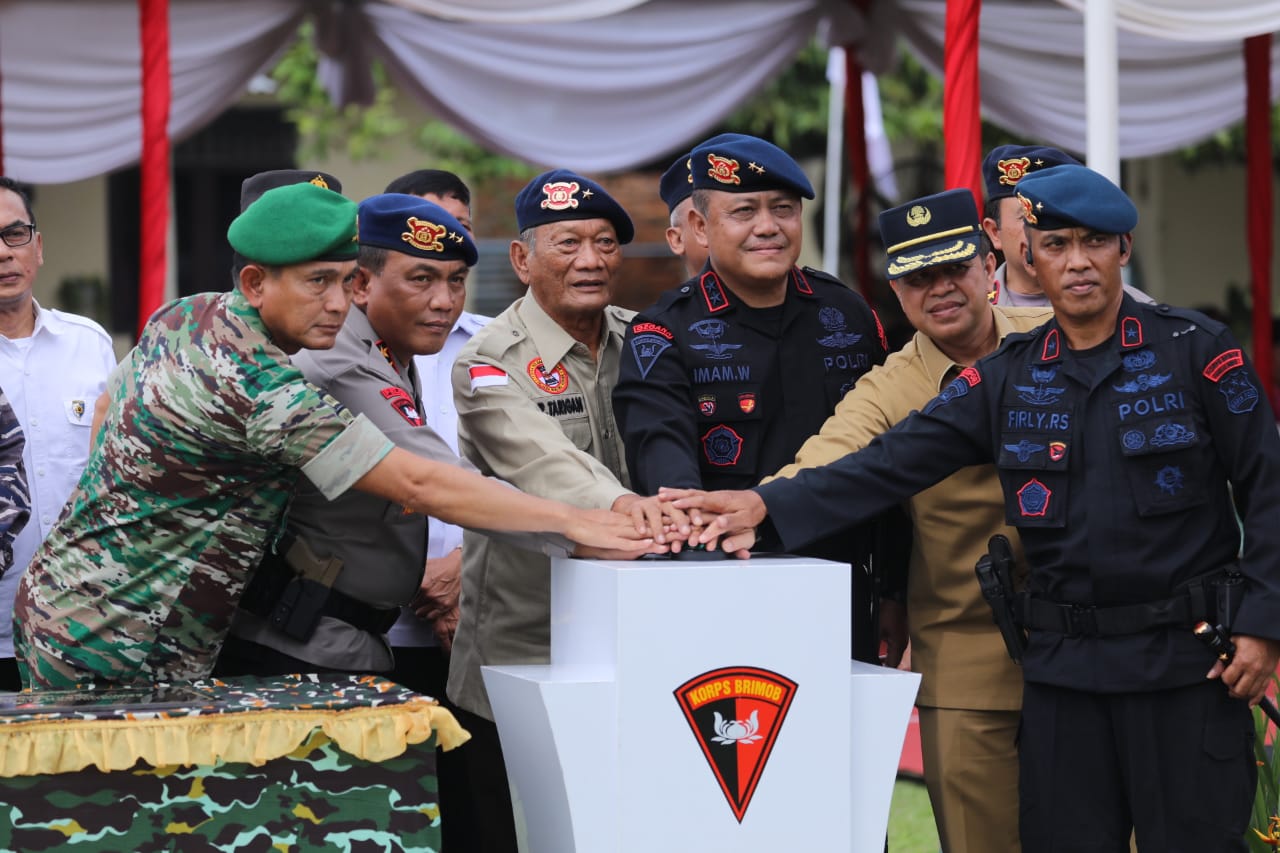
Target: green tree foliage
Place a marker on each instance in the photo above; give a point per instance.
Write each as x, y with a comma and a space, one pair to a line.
362, 132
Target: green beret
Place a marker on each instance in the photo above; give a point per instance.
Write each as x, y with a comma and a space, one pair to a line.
295, 224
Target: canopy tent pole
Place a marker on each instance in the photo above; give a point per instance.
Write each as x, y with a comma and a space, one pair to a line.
1102, 88
154, 192
831, 212
1259, 212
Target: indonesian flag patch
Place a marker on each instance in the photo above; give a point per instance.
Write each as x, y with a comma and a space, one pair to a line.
486, 375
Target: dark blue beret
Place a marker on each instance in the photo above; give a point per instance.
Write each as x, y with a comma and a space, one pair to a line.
676, 184
414, 226
936, 229
252, 188
736, 163
1075, 197
1005, 165
560, 194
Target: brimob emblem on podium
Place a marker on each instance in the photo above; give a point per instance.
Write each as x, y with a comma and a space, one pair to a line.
735, 714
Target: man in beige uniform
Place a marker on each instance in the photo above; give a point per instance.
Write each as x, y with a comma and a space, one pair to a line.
533, 390
970, 693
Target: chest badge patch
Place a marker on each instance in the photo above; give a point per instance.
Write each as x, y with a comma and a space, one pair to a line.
402, 403
707, 404
837, 337
735, 714
554, 381
1033, 498
747, 403
712, 331
722, 445
1057, 451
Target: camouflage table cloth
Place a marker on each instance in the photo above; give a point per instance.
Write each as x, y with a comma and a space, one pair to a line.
293, 764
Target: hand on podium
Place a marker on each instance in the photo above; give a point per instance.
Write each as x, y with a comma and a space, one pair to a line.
728, 518
666, 524
600, 531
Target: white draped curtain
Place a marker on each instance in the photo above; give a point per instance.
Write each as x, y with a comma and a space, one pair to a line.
1031, 55
594, 85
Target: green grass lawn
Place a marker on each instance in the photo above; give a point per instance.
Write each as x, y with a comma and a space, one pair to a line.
911, 828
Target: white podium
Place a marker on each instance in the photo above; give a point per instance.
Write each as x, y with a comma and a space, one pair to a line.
702, 706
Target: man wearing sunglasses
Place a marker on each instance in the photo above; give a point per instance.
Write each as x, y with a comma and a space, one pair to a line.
54, 366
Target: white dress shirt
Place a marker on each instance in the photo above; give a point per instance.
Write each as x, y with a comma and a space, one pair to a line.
52, 380
434, 373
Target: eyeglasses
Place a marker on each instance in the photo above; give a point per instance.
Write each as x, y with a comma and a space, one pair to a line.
18, 235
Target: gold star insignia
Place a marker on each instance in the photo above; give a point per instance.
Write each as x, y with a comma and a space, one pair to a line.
1039, 162
1039, 205
756, 167
586, 193
455, 236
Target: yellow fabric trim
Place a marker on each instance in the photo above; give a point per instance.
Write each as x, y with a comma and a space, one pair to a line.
42, 747
959, 251
915, 241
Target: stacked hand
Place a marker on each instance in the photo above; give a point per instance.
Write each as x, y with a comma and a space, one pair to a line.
730, 517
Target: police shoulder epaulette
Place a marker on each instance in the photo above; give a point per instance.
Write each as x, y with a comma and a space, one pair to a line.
1199, 321
622, 315
1014, 338
824, 276
667, 298
496, 338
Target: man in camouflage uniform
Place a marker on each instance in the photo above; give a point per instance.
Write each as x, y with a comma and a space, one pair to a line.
208, 427
15, 504
405, 297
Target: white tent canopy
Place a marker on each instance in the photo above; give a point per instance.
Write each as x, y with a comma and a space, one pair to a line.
595, 85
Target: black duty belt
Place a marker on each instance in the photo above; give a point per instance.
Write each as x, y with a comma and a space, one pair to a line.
268, 583
366, 617
1076, 620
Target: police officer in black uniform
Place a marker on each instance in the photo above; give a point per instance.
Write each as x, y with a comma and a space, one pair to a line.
1126, 437
726, 376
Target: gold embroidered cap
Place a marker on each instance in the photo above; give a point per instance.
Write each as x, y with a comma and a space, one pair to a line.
925, 232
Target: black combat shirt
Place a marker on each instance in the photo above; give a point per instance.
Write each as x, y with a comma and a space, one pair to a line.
1115, 465
714, 394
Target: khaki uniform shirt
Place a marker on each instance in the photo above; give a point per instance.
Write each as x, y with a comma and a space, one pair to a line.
535, 409
955, 645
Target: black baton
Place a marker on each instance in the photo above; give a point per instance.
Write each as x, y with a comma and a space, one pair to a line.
1224, 650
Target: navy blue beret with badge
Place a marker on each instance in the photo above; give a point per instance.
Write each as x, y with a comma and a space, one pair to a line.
676, 184
252, 188
1005, 165
936, 229
414, 226
737, 163
1075, 197
559, 195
